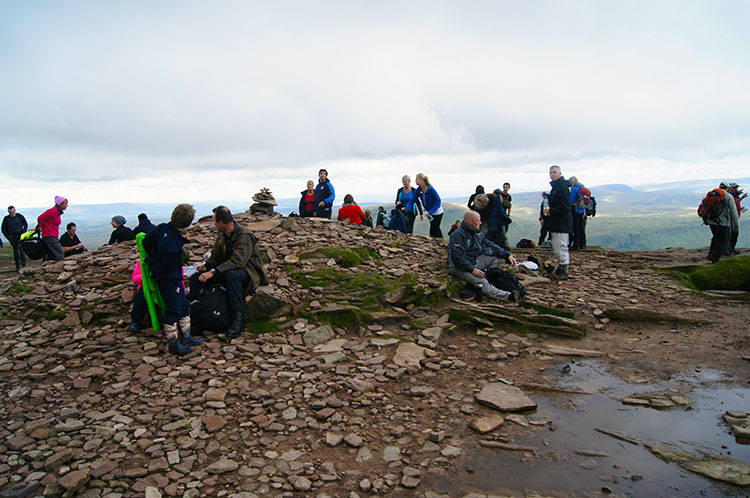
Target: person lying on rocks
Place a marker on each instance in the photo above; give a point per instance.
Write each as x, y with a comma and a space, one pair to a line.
164, 248
235, 260
471, 254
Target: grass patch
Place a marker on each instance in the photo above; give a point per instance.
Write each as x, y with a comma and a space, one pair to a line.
546, 310
56, 314
321, 277
727, 274
262, 327
17, 289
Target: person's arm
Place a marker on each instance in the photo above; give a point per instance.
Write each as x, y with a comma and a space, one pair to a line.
437, 202
113, 237
398, 197
241, 253
330, 198
25, 224
302, 203
4, 228
362, 215
457, 254
734, 216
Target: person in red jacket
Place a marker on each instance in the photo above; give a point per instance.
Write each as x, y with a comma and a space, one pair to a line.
49, 221
350, 211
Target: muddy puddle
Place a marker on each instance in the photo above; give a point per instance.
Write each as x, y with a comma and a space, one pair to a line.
629, 469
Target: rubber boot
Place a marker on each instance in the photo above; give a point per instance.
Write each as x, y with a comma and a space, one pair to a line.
187, 337
562, 272
235, 328
134, 327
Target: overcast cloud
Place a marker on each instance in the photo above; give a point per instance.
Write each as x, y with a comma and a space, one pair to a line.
178, 101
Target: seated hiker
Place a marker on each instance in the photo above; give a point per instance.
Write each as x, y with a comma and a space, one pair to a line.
235, 259
70, 242
454, 227
471, 254
383, 218
121, 233
144, 225
164, 248
350, 211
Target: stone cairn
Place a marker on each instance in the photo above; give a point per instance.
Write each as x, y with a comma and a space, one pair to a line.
263, 202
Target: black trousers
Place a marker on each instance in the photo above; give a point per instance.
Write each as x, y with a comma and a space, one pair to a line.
138, 313
578, 237
733, 241
235, 282
18, 255
435, 226
719, 242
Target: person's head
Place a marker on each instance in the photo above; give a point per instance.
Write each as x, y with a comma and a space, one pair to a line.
381, 209
348, 199
479, 189
733, 187
457, 223
71, 228
142, 217
481, 201
11, 210
368, 212
506, 187
182, 216
310, 185
222, 217
322, 175
554, 172
544, 194
406, 180
422, 180
61, 202
118, 221
724, 185
573, 180
473, 219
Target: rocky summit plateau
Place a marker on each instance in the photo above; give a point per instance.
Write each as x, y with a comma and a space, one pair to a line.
362, 372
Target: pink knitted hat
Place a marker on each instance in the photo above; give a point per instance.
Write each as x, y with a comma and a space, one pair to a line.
59, 200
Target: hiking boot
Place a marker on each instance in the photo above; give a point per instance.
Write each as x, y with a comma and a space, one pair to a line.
187, 337
561, 273
134, 327
235, 328
514, 296
177, 348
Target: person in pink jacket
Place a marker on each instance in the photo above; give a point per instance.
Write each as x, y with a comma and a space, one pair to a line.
49, 221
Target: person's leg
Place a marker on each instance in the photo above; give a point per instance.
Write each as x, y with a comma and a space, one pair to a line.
733, 242
138, 313
235, 282
173, 294
560, 248
18, 253
487, 288
54, 249
583, 231
435, 226
543, 232
502, 236
410, 217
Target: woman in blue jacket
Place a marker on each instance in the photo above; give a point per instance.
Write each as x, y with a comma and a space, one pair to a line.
430, 200
406, 202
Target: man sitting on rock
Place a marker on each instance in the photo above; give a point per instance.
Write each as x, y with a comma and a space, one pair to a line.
235, 260
470, 255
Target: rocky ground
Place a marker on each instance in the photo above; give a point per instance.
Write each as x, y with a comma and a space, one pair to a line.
368, 376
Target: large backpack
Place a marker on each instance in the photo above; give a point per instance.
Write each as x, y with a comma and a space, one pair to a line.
505, 281
591, 208
709, 206
209, 309
34, 245
398, 221
584, 198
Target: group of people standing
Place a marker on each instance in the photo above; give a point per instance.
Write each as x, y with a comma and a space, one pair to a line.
423, 200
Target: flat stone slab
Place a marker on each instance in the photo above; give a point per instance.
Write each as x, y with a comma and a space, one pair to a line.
487, 424
409, 355
723, 469
505, 398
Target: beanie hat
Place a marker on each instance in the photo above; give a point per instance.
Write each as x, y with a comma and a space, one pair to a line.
142, 217
59, 200
120, 220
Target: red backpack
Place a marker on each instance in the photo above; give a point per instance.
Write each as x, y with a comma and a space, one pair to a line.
584, 198
709, 207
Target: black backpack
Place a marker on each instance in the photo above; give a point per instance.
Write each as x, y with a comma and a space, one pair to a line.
591, 207
209, 309
505, 281
34, 246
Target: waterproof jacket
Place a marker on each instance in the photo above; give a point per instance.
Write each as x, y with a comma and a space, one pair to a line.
430, 200
559, 220
324, 193
144, 226
238, 251
164, 248
50, 221
575, 194
726, 213
408, 201
14, 225
303, 211
467, 244
121, 234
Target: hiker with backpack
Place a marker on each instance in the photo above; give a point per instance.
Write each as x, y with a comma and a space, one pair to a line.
719, 211
559, 221
235, 261
471, 256
580, 198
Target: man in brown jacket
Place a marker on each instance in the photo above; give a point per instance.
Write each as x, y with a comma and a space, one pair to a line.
235, 259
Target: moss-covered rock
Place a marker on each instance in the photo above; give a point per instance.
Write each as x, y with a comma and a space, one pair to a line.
727, 274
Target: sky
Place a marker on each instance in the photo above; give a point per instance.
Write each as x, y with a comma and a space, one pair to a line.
179, 101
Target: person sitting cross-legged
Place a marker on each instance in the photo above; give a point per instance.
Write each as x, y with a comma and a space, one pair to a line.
471, 254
